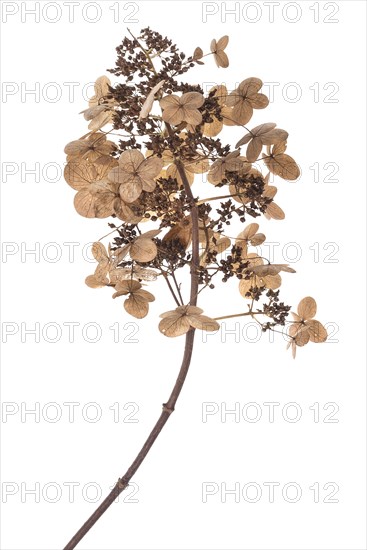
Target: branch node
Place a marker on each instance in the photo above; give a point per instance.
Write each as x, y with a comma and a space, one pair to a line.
121, 484
167, 408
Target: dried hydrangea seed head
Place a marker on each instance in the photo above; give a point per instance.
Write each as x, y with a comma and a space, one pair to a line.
127, 181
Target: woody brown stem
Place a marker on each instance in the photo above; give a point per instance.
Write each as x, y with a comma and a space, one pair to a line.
169, 406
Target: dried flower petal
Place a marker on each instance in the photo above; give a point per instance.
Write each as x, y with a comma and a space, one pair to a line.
217, 48
137, 304
182, 109
197, 55
307, 308
174, 325
246, 98
281, 164
232, 162
305, 328
179, 321
143, 250
264, 134
272, 269
317, 331
273, 211
95, 147
135, 174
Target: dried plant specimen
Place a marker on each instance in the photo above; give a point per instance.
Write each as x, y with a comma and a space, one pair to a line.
149, 136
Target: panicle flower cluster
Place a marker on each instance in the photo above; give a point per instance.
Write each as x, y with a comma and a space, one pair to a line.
149, 137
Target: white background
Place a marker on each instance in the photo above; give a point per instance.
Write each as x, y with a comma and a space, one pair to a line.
324, 44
